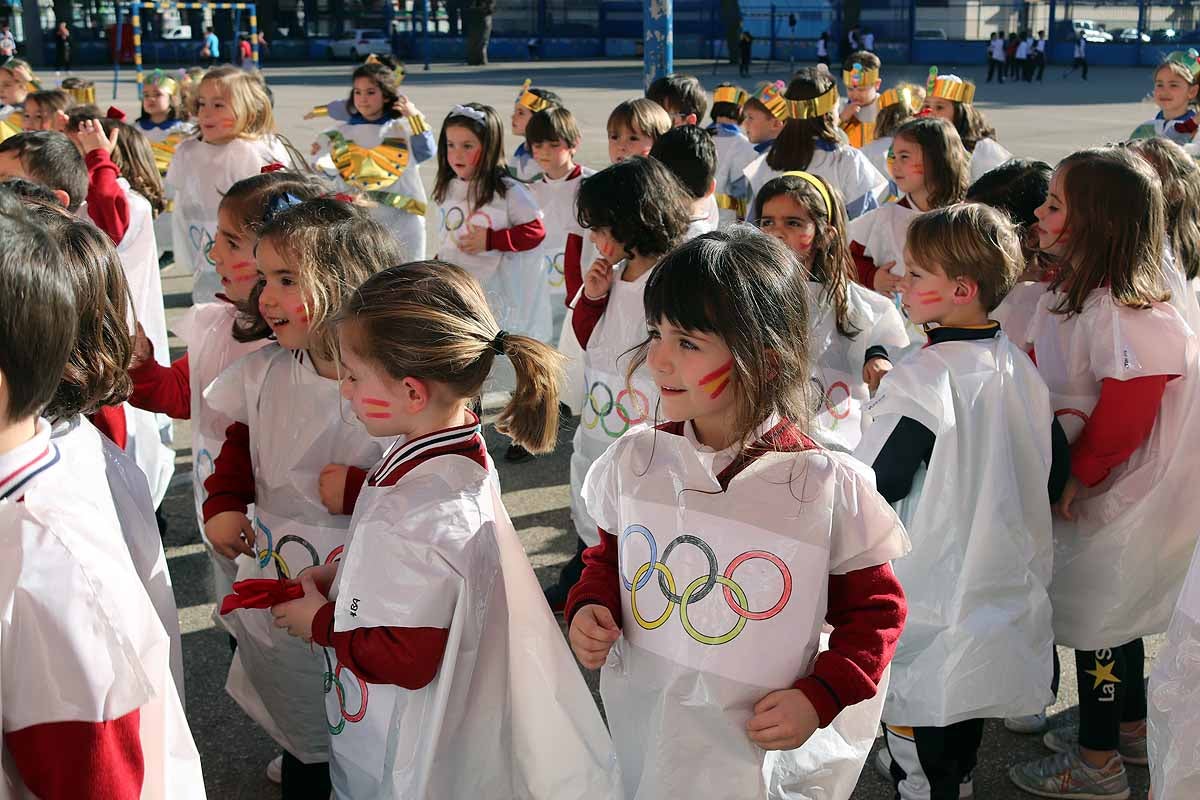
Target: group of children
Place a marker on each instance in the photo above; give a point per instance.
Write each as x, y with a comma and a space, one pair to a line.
927, 415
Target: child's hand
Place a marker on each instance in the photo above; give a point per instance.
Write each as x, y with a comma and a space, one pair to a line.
143, 350
60, 122
231, 534
322, 577
885, 282
598, 279
1063, 506
92, 137
297, 615
874, 370
405, 106
592, 634
850, 112
332, 487
474, 240
782, 720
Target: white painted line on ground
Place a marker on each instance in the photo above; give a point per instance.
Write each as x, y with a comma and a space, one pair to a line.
194, 619
184, 550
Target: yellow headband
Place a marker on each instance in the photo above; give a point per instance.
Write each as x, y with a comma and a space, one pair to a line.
893, 96
858, 76
730, 94
817, 184
530, 100
950, 87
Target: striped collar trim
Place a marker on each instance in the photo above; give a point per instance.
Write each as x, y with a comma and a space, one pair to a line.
26, 462
402, 452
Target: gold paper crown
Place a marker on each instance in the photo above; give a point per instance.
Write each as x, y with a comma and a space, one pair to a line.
530, 100
730, 94
398, 72
1189, 60
893, 96
860, 77
82, 95
163, 81
950, 87
783, 108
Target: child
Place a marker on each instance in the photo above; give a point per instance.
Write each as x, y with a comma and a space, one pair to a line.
1175, 90
1018, 187
161, 120
1121, 369
929, 166
95, 378
288, 452
810, 142
48, 158
952, 99
377, 152
207, 331
693, 702
97, 646
16, 82
896, 106
970, 411
81, 90
763, 123
636, 211
734, 152
860, 73
681, 96
236, 139
530, 101
42, 109
473, 656
689, 153
633, 128
851, 327
490, 224
189, 88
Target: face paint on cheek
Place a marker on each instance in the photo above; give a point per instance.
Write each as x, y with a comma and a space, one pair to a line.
715, 382
303, 312
928, 298
805, 240
377, 415
244, 272
375, 401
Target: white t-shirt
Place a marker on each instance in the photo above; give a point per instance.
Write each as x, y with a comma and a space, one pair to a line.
996, 49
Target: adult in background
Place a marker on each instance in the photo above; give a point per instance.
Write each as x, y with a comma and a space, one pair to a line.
1039, 55
823, 49
210, 51
1021, 69
62, 47
868, 40
1010, 56
745, 46
996, 57
8, 42
1080, 60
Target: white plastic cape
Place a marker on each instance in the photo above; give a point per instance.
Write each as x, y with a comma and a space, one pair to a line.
437, 549
207, 331
556, 199
86, 452
882, 233
876, 152
75, 642
977, 641
407, 225
513, 282
1119, 565
987, 155
298, 425
1183, 298
1173, 700
610, 406
838, 360
844, 168
198, 177
678, 688
734, 154
175, 134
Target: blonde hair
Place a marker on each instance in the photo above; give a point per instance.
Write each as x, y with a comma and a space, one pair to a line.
247, 96
645, 115
333, 246
969, 240
430, 320
189, 86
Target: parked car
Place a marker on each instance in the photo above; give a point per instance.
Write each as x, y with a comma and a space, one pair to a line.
177, 32
1091, 33
359, 43
1164, 35
1132, 36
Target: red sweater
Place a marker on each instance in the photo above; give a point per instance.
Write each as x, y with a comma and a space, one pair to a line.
866, 608
106, 202
80, 760
163, 390
518, 238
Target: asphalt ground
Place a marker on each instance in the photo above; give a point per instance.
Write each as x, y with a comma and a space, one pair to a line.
1045, 121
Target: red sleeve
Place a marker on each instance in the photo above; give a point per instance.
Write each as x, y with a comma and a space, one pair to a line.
518, 238
355, 478
231, 485
110, 420
1119, 424
81, 760
106, 203
867, 611
573, 266
600, 581
584, 317
864, 264
163, 390
407, 657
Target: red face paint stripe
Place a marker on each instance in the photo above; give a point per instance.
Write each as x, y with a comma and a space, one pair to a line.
715, 382
929, 297
375, 401
377, 415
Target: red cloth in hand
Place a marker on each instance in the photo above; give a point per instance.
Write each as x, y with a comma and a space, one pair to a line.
260, 593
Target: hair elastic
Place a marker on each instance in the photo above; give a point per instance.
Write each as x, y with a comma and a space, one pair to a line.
278, 204
273, 167
499, 342
470, 113
115, 113
820, 187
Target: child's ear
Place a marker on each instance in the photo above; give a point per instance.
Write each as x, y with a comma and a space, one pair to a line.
690, 119
878, 84
712, 188
63, 197
965, 291
415, 395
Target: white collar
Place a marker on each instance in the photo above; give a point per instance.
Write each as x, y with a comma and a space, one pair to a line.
23, 462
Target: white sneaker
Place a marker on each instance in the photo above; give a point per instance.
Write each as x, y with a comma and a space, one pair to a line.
883, 766
1030, 723
275, 770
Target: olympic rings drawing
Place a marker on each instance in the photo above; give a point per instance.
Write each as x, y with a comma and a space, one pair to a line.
452, 218
827, 405
333, 682
273, 552
1073, 412
203, 466
335, 554
555, 270
832, 405
600, 415
699, 588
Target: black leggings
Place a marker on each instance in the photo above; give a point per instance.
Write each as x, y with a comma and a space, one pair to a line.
1112, 690
305, 781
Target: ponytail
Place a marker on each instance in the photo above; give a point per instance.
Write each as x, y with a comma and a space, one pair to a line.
531, 416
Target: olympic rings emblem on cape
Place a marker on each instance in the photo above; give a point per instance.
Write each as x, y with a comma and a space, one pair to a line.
600, 415
831, 411
333, 682
699, 588
273, 552
555, 271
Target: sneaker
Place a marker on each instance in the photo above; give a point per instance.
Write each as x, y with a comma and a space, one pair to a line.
883, 766
1067, 776
1030, 723
1131, 746
275, 770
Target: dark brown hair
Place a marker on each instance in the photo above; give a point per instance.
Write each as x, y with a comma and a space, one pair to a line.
250, 199
1180, 178
947, 170
382, 70
971, 125
430, 320
553, 124
490, 174
969, 240
50, 158
797, 142
643, 205
679, 93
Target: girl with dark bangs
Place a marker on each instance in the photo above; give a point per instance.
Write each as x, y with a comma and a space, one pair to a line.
735, 689
851, 326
